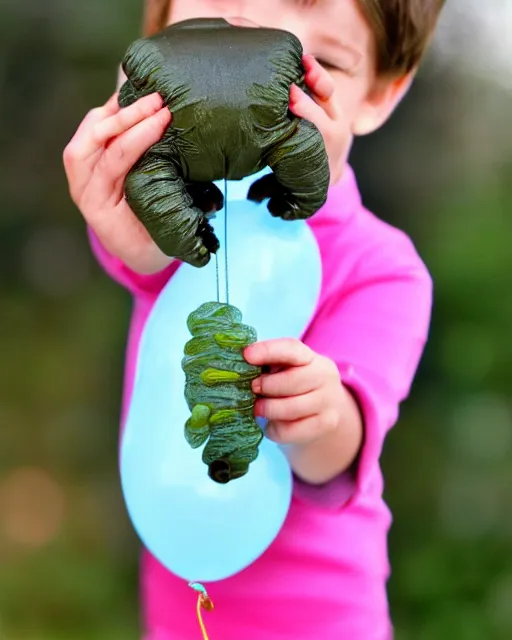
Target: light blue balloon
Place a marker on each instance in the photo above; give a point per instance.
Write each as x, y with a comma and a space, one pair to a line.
200, 530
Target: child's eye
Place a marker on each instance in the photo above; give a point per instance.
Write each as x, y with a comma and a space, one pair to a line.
325, 65
328, 66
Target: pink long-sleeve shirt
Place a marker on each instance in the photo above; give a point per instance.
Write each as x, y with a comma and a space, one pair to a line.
325, 574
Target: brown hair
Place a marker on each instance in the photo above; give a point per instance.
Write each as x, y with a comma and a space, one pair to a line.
402, 29
156, 14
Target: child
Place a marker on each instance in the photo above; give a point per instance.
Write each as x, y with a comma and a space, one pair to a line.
337, 392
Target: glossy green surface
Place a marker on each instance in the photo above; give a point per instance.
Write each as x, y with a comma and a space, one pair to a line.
228, 90
218, 390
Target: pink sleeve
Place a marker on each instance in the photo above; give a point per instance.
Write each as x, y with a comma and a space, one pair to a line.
374, 325
136, 283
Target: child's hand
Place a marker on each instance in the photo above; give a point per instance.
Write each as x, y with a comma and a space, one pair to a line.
304, 399
321, 109
108, 142
307, 407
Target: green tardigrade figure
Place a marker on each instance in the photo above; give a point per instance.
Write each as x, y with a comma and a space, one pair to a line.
228, 90
218, 390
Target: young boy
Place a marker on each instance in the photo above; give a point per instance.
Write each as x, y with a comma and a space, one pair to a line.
338, 390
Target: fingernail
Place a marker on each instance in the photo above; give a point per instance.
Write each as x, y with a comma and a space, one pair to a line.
163, 114
153, 100
256, 386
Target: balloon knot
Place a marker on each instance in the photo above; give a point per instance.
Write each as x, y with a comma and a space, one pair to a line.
203, 602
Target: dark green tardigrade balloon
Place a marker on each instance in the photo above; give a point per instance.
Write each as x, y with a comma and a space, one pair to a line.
228, 90
218, 390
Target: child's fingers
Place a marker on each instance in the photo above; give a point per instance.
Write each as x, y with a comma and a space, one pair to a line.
281, 351
110, 107
126, 118
73, 155
289, 382
124, 151
105, 169
318, 79
305, 107
322, 86
97, 129
293, 408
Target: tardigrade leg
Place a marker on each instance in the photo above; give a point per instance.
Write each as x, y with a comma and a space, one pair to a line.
173, 212
126, 95
206, 196
298, 186
159, 198
197, 427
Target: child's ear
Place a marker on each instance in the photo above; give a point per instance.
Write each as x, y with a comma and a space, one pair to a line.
380, 103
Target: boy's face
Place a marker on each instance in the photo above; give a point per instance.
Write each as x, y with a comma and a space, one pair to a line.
334, 31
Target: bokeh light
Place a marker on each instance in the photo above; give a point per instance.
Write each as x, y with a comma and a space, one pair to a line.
32, 507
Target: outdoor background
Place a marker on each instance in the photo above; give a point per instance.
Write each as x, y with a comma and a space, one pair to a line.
441, 169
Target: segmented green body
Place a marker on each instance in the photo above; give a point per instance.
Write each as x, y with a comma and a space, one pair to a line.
218, 390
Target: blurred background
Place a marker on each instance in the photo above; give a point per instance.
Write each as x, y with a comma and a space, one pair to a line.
441, 169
